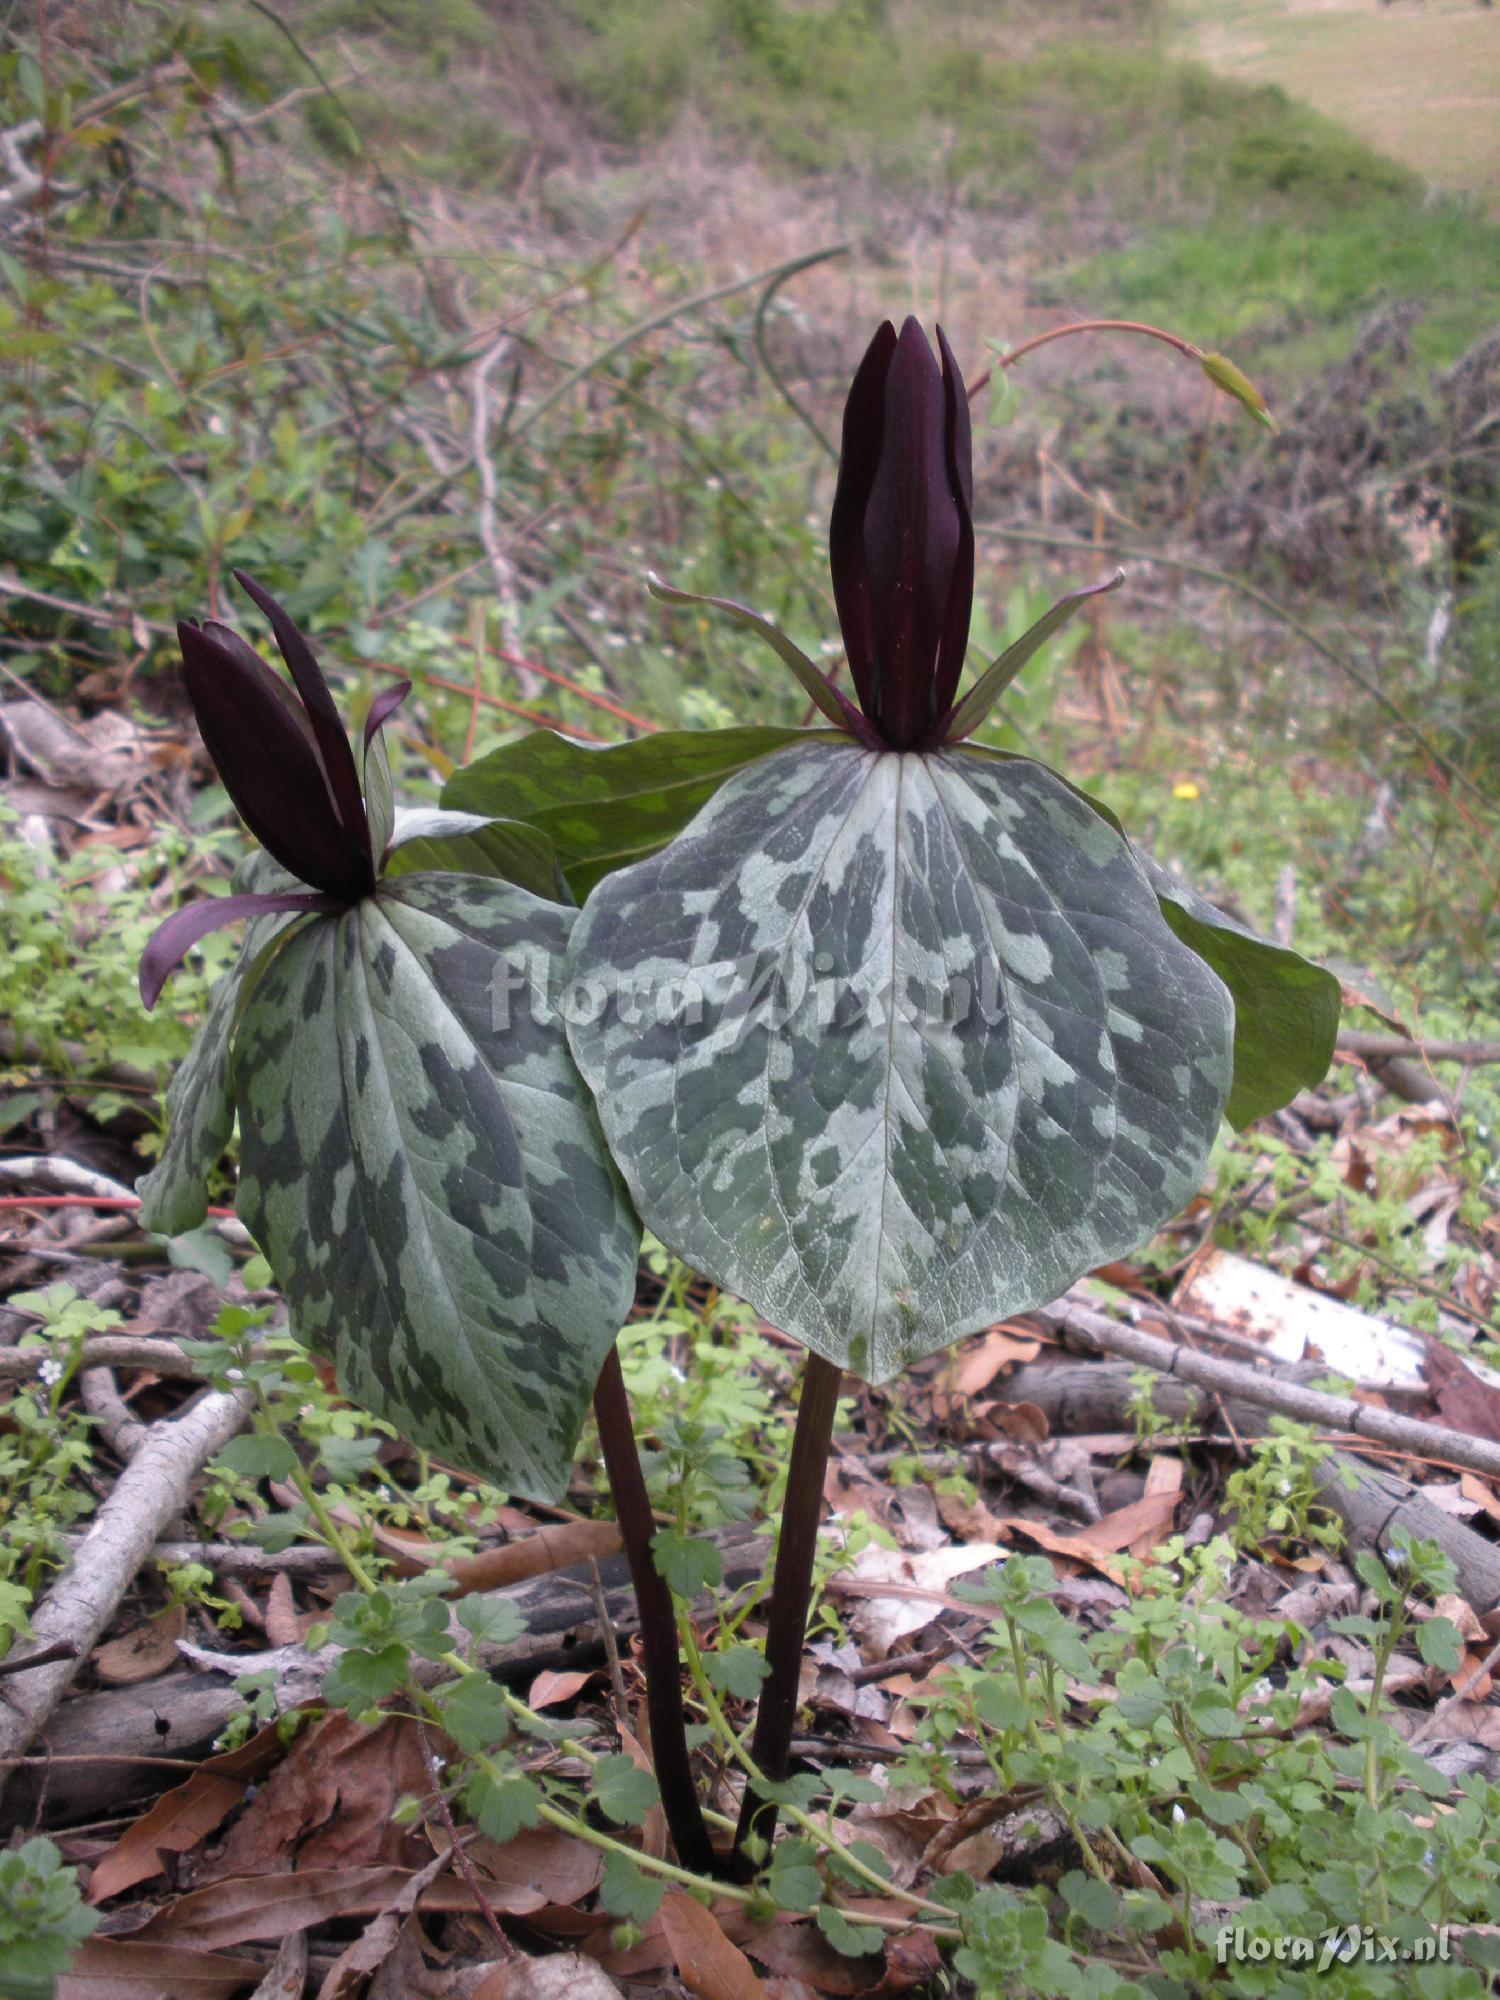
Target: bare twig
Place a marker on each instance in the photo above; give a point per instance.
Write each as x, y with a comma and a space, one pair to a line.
1292, 1399
150, 1492
501, 567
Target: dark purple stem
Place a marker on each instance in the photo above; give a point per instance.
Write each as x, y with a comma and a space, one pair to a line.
791, 1595
663, 1663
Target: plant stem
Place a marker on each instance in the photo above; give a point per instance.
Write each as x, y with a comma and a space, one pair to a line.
669, 1751
791, 1594
1085, 326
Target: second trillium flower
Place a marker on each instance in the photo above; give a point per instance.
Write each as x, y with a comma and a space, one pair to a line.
287, 764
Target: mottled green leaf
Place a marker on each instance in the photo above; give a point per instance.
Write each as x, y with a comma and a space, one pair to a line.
1286, 1009
423, 1168
504, 1806
896, 1046
494, 1621
200, 1102
603, 809
462, 843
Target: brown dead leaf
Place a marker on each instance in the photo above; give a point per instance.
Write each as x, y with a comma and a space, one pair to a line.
1481, 1493
1462, 1614
329, 1803
537, 1868
144, 1652
1164, 1489
253, 1907
550, 1690
285, 1625
1022, 1421
566, 1975
710, 1965
800, 1951
1466, 1403
183, 1817
979, 1361
117, 1969
379, 1940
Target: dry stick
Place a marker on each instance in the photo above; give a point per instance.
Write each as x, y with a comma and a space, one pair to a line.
1387, 1048
150, 1492
791, 1594
663, 1662
1292, 1399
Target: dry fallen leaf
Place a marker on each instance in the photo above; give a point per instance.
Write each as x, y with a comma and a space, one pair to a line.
710, 1965
144, 1652
183, 1817
550, 1689
330, 1802
537, 1868
117, 1969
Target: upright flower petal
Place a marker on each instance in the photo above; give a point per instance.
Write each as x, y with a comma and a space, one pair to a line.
338, 758
901, 539
953, 641
859, 460
269, 764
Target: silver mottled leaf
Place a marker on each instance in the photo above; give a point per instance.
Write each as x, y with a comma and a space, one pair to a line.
894, 1046
200, 1103
422, 1166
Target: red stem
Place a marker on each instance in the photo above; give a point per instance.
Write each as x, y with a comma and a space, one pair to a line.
791, 1595
669, 1751
1084, 326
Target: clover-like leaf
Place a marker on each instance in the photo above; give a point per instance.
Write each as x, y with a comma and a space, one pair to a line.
894, 1046
424, 1170
623, 1791
687, 1563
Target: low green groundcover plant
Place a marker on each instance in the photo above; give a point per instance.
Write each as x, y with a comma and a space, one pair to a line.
891, 1034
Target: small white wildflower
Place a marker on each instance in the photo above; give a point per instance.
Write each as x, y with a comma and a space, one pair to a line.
712, 485
50, 1372
677, 1373
234, 1374
1178, 1815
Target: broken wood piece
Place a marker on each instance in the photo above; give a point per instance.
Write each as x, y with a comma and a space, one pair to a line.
150, 1493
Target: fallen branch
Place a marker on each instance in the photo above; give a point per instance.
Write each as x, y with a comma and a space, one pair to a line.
151, 1491
107, 1350
1089, 1396
1290, 1399
1373, 1047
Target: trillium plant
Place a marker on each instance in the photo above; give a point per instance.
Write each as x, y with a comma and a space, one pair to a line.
890, 1033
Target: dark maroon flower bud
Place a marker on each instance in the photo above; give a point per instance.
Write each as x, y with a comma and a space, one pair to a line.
901, 540
285, 760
